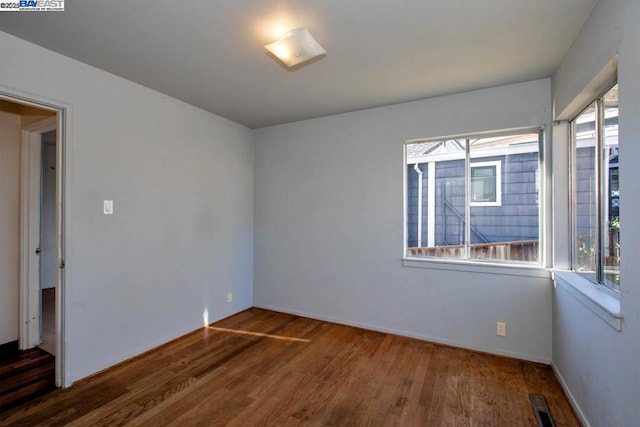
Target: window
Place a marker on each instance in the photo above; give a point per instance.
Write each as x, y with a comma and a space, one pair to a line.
474, 198
596, 191
486, 188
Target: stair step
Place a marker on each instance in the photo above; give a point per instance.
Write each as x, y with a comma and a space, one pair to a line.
24, 363
25, 376
22, 379
15, 398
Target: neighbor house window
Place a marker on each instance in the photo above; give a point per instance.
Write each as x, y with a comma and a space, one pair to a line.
596, 191
486, 188
474, 197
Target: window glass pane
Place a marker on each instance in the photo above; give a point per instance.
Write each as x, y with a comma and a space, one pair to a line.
585, 193
483, 184
450, 207
436, 198
611, 199
506, 226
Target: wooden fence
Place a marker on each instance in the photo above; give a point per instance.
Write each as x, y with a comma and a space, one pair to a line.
525, 250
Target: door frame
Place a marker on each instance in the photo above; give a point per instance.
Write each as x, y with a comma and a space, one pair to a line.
61, 120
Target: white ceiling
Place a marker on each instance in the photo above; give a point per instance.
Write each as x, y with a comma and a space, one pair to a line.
210, 53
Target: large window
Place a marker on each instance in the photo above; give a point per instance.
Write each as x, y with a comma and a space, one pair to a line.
474, 198
596, 191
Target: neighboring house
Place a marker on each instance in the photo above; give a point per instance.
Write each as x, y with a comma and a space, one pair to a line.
504, 188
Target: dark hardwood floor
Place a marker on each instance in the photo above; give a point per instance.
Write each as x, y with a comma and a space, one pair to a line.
265, 368
24, 376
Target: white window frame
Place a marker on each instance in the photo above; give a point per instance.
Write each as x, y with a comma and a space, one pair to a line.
498, 165
600, 190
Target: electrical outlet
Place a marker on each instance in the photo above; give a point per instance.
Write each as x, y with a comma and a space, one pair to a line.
229, 296
501, 329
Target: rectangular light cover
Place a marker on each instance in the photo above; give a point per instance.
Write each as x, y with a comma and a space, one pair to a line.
296, 47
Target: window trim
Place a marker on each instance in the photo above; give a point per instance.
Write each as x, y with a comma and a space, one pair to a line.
498, 182
600, 300
513, 268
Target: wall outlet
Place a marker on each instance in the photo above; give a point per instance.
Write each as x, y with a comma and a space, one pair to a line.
501, 329
229, 296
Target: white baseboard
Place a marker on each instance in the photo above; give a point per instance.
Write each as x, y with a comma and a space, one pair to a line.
434, 340
570, 398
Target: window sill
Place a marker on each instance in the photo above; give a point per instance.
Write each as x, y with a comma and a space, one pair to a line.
605, 305
478, 267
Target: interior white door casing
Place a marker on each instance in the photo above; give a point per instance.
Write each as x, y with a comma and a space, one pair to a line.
58, 123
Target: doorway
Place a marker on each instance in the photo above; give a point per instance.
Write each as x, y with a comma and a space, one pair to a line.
31, 282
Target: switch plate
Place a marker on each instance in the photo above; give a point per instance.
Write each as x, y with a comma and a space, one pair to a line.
108, 207
501, 329
229, 296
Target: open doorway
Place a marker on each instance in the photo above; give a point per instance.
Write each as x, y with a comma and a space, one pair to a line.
31, 244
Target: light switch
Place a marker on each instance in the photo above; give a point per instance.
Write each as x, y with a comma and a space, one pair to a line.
108, 207
501, 329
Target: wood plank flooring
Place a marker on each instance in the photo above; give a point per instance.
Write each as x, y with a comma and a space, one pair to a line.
24, 376
264, 368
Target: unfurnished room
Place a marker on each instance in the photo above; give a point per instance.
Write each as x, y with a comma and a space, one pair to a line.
345, 213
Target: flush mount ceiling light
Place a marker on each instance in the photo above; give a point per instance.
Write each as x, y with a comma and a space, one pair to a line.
296, 47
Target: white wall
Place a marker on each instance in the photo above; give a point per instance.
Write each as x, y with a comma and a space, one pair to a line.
328, 226
9, 225
48, 216
181, 236
601, 366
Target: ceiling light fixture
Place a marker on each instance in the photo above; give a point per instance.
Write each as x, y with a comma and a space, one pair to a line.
296, 47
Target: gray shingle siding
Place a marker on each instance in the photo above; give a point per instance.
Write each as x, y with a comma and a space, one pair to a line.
585, 181
516, 219
449, 230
